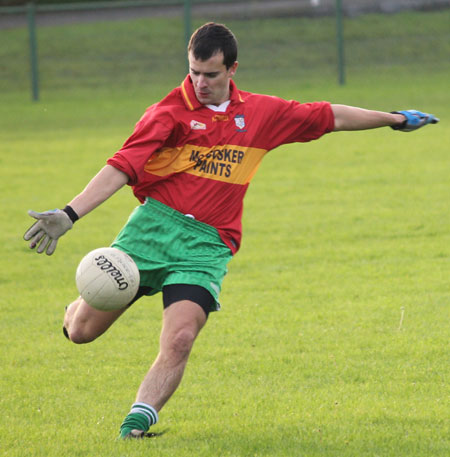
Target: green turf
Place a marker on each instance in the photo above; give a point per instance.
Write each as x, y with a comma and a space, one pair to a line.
333, 338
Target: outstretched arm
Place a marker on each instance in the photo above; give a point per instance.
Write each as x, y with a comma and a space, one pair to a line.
104, 184
352, 118
51, 225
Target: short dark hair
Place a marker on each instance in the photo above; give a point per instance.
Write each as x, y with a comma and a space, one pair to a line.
211, 38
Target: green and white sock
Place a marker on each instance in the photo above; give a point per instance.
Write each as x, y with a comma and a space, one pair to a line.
141, 417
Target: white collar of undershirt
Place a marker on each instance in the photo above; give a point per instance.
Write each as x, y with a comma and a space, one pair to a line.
221, 108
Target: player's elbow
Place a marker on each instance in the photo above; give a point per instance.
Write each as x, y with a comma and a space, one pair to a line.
339, 118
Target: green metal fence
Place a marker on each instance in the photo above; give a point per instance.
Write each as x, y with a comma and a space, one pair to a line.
32, 10
140, 44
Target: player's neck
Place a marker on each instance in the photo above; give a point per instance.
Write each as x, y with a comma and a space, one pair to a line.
219, 108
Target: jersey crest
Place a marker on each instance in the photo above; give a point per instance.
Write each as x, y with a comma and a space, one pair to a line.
239, 120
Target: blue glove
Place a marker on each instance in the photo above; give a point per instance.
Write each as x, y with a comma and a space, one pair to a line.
414, 120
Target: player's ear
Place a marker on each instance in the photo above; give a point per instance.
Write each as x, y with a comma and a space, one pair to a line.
233, 68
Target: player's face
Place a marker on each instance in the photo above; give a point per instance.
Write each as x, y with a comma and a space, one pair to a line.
211, 79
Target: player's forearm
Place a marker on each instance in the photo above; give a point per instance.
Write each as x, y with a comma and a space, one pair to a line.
352, 118
107, 181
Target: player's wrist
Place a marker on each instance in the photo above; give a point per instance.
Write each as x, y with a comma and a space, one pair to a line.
73, 216
399, 120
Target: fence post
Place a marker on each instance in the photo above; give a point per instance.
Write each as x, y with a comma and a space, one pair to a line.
31, 15
187, 26
340, 42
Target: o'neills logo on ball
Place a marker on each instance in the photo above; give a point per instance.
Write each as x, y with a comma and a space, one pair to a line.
107, 266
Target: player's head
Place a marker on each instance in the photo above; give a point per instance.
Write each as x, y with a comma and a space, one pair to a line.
211, 39
212, 63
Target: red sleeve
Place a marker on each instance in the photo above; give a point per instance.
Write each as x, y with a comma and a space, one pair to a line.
291, 121
149, 135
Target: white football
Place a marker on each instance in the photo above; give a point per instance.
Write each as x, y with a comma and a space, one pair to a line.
107, 279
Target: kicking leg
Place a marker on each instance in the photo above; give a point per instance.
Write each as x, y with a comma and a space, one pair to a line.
83, 324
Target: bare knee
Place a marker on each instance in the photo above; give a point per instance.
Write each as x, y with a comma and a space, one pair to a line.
79, 336
179, 344
183, 321
77, 332
74, 326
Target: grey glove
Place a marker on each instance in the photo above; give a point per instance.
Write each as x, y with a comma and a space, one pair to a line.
49, 227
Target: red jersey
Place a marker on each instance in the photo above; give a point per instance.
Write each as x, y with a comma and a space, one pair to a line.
200, 162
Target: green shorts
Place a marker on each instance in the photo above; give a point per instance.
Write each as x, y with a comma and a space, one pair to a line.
171, 248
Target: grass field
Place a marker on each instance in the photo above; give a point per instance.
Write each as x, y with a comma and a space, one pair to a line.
333, 338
